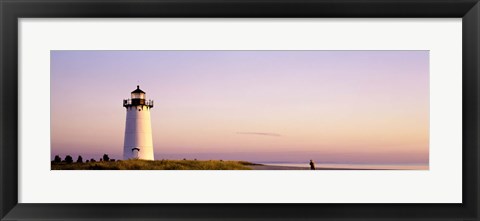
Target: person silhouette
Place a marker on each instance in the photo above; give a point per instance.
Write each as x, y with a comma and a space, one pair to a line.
312, 165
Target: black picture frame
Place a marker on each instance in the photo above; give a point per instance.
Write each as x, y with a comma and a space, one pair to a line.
12, 10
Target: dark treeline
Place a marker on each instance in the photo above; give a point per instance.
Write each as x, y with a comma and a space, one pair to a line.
69, 159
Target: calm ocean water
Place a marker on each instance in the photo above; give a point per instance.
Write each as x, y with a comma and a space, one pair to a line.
356, 166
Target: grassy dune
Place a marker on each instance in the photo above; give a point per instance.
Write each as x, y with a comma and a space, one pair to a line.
155, 165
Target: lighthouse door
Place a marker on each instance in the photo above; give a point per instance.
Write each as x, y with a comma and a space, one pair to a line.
135, 153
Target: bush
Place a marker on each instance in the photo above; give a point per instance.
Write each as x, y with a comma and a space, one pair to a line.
92, 160
79, 159
57, 159
105, 157
68, 159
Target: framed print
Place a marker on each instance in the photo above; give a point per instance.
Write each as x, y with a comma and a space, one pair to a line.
239, 110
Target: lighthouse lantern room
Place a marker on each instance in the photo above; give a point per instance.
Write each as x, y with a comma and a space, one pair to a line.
138, 142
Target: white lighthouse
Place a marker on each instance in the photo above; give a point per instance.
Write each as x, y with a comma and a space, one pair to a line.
138, 142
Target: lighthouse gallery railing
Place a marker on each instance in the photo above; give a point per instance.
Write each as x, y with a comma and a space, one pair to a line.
130, 102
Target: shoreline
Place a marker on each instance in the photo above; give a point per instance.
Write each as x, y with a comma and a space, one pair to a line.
277, 167
272, 167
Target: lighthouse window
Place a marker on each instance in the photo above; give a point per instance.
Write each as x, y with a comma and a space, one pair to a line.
138, 96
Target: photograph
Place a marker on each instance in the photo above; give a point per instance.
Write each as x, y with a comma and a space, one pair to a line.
239, 110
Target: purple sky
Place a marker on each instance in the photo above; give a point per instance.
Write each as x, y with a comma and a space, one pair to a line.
289, 106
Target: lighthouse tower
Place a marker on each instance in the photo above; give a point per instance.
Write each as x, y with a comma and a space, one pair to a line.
138, 130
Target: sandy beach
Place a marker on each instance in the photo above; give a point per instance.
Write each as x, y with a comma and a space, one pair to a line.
272, 167
277, 167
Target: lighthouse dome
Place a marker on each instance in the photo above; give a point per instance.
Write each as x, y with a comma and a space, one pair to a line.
138, 94
138, 90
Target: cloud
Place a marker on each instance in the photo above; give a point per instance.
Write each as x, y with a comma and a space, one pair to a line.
260, 134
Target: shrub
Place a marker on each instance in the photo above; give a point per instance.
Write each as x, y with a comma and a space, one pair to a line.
57, 159
92, 160
105, 157
79, 159
68, 159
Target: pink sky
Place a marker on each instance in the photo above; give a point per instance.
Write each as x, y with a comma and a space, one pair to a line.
262, 106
